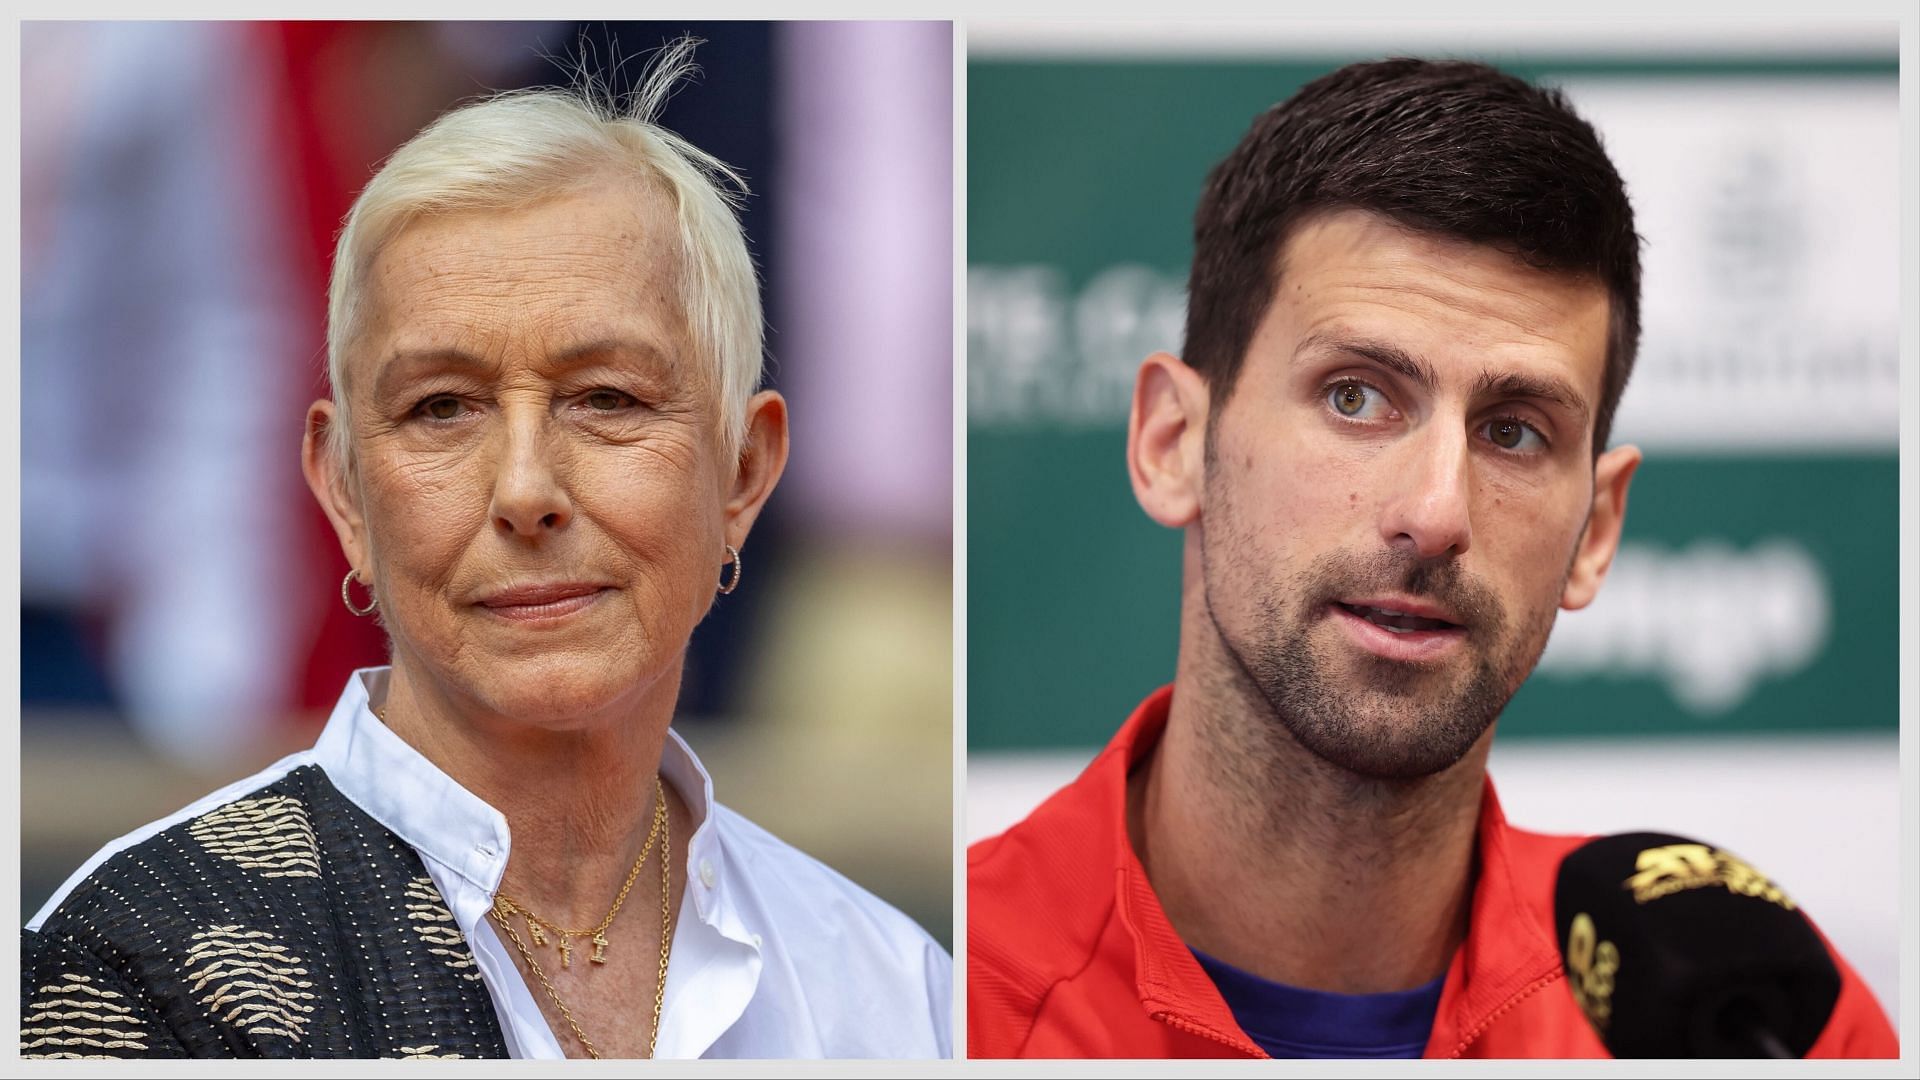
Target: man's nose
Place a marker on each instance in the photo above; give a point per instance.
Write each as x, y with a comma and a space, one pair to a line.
1429, 506
529, 498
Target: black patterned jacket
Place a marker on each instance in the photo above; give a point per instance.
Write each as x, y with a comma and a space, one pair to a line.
286, 923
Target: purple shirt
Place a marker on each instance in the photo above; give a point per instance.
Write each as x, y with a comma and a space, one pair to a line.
1289, 1022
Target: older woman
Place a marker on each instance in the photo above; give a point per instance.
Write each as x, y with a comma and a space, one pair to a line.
543, 456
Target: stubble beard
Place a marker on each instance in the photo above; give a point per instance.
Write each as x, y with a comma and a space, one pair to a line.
1369, 716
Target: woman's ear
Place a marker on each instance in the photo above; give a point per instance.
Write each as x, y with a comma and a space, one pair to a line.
763, 457
330, 480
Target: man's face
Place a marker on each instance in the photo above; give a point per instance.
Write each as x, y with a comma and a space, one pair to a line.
1397, 486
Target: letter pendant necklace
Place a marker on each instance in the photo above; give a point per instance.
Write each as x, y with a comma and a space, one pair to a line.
539, 927
505, 909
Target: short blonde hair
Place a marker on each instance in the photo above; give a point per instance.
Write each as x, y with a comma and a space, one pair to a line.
517, 148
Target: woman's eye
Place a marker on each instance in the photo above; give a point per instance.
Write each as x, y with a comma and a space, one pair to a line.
606, 400
1355, 400
441, 408
1509, 434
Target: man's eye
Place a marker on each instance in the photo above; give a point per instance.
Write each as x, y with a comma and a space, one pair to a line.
606, 400
1356, 400
1510, 434
441, 408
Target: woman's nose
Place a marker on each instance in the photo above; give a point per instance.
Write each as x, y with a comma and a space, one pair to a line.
529, 498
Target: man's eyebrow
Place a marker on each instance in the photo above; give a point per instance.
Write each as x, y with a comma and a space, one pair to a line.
1513, 384
1502, 384
1389, 356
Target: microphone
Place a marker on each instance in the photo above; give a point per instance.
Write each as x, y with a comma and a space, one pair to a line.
1675, 949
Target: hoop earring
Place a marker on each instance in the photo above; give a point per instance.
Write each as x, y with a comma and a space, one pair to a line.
734, 583
347, 597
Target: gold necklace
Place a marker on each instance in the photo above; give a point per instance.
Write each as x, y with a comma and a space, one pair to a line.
666, 952
663, 826
507, 907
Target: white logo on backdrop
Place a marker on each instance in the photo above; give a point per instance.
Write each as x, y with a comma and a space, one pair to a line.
1041, 353
1770, 293
1711, 621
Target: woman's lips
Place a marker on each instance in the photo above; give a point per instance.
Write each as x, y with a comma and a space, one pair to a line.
539, 603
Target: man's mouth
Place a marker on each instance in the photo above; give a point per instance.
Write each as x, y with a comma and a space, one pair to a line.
1399, 622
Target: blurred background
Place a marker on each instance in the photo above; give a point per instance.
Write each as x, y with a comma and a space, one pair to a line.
181, 626
1737, 680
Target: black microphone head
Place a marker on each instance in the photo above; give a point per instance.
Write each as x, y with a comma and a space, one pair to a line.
1677, 949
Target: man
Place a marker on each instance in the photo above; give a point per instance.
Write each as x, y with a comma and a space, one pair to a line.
1413, 307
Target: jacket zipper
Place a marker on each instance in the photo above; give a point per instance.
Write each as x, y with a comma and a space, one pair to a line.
1507, 1006
1174, 1021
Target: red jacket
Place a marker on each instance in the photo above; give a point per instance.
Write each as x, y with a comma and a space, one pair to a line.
1070, 955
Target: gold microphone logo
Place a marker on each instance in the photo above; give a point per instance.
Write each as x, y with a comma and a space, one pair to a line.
1591, 965
1662, 871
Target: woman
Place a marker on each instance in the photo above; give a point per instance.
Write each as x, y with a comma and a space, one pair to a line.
542, 456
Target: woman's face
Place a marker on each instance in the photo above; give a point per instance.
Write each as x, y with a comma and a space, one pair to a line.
539, 498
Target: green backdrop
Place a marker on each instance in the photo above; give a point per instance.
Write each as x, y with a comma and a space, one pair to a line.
1076, 168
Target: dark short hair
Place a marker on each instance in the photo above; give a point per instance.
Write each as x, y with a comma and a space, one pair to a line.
1452, 148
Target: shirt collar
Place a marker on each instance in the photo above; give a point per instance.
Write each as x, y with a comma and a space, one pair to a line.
1488, 971
398, 787
717, 956
1173, 988
410, 795
707, 863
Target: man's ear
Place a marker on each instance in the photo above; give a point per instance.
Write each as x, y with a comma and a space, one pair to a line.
1166, 440
763, 457
1612, 472
327, 478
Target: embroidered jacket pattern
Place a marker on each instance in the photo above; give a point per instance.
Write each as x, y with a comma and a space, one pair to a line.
284, 924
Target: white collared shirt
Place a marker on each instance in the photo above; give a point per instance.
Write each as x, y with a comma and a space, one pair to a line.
774, 954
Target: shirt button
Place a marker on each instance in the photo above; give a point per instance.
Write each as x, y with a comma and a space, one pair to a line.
706, 873
756, 941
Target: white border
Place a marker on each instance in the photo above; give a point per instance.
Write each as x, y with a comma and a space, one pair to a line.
10, 545
987, 38
1908, 1024
959, 935
1654, 34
